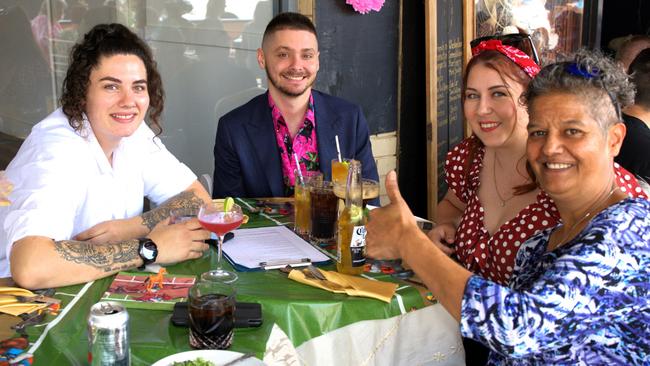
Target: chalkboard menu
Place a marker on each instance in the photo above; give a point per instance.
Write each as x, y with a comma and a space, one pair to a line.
449, 73
358, 59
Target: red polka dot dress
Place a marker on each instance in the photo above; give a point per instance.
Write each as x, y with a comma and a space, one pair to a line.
493, 257
628, 183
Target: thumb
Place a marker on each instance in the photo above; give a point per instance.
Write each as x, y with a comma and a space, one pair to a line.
450, 233
392, 189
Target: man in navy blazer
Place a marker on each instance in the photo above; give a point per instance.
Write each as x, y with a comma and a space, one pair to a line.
248, 153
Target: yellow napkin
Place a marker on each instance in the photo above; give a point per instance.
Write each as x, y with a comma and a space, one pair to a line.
351, 285
15, 291
21, 308
9, 304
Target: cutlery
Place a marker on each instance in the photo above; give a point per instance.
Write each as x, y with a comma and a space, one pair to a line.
28, 319
316, 274
38, 298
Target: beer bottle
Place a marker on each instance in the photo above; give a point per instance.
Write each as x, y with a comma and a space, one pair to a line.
351, 240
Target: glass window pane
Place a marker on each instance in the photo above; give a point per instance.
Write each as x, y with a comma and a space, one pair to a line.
27, 88
556, 25
205, 49
209, 67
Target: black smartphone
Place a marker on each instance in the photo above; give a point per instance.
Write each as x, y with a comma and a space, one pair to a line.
247, 314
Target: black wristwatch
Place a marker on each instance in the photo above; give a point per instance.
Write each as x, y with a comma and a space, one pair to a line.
148, 251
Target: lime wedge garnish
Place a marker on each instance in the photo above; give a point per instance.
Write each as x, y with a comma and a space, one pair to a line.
228, 202
356, 214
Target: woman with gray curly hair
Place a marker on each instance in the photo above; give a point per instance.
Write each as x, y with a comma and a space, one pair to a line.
580, 292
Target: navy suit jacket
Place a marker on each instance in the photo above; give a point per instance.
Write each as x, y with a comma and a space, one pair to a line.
247, 157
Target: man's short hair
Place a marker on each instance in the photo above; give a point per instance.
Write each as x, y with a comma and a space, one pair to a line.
640, 74
292, 21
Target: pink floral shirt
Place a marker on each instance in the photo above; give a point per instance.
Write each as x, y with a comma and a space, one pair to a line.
304, 144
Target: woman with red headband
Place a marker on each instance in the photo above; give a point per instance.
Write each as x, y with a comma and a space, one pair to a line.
580, 291
492, 205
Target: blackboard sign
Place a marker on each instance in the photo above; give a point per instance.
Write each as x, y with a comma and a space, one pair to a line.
358, 59
449, 73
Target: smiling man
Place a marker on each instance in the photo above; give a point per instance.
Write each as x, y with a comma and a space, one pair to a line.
255, 143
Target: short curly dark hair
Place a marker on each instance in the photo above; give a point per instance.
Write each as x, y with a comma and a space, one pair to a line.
506, 68
601, 84
105, 40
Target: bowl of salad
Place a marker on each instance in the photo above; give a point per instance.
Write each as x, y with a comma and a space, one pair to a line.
208, 357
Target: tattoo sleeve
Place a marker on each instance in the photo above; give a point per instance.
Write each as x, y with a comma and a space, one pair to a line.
106, 257
186, 201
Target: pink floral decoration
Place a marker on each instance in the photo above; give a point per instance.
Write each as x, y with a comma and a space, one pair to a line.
364, 6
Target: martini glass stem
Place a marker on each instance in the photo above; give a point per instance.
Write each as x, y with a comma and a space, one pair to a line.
219, 249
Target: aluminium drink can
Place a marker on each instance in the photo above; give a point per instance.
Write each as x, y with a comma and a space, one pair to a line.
108, 334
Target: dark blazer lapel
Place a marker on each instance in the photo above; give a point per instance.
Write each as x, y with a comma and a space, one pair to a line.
262, 137
327, 127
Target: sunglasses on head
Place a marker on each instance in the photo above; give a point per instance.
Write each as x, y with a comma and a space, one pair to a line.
520, 41
594, 73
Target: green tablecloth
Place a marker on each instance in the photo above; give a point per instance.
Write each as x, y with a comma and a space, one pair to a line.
301, 311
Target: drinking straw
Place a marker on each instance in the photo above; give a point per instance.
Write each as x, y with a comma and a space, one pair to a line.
338, 148
302, 180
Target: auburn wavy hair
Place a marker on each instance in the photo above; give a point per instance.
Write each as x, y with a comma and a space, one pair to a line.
105, 40
505, 68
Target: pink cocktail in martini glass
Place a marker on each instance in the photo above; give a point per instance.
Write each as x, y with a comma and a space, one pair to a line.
215, 218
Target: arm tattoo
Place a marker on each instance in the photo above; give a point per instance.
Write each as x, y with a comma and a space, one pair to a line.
186, 200
106, 257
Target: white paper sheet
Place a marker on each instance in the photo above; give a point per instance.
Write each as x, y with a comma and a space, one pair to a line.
276, 245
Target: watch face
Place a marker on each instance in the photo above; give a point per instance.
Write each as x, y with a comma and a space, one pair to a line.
149, 250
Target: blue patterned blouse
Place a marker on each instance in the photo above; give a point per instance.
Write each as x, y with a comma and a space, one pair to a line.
585, 303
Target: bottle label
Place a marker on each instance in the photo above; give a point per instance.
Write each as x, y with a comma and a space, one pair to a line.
358, 246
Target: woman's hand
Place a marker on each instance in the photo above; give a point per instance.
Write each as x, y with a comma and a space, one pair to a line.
393, 233
443, 236
389, 225
179, 242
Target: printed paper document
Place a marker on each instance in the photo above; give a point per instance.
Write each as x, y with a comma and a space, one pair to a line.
276, 244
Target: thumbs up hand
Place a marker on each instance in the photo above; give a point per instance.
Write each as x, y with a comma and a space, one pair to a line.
389, 225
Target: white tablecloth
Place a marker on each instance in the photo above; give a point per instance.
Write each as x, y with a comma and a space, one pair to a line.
428, 336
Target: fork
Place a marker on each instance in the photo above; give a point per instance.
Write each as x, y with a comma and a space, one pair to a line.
38, 298
316, 274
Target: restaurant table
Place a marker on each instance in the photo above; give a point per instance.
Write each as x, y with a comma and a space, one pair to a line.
318, 327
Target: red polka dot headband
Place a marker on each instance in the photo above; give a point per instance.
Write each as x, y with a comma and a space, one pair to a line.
516, 55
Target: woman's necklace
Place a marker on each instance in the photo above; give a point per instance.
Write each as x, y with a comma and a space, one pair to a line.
496, 186
590, 212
